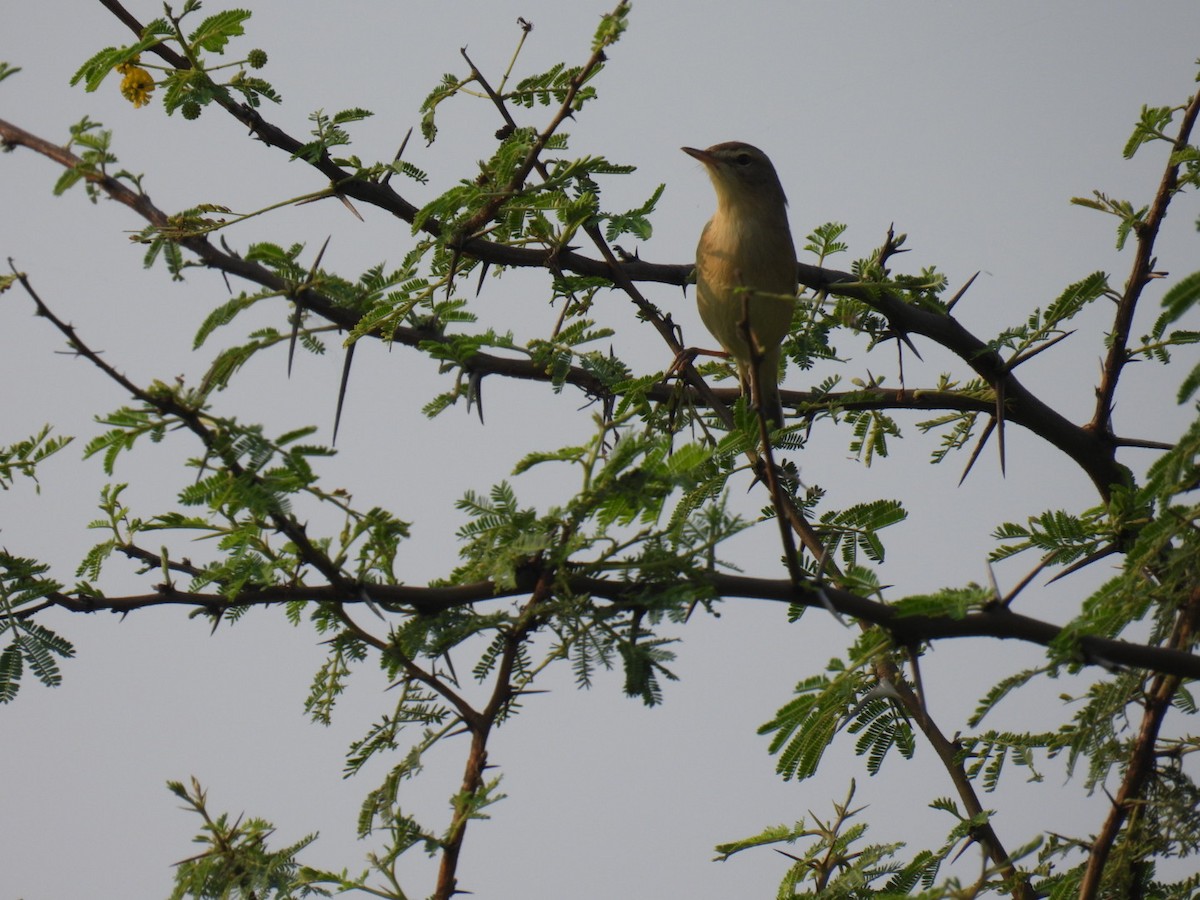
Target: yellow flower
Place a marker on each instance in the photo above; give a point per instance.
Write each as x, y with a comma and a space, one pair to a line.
137, 84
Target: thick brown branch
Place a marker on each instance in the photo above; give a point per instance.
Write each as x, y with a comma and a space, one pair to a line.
447, 878
996, 622
1093, 452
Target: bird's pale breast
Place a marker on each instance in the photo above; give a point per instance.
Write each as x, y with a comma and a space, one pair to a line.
735, 254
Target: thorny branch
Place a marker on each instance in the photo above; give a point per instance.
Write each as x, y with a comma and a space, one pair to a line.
1140, 770
1139, 276
995, 622
1095, 453
1092, 446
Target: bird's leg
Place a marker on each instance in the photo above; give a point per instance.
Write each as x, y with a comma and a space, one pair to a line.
750, 377
686, 356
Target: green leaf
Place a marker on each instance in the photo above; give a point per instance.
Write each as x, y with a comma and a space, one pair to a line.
803, 729
950, 602
1181, 297
97, 68
825, 241
635, 221
351, 115
1149, 128
612, 26
1189, 386
445, 89
23, 457
223, 315
215, 31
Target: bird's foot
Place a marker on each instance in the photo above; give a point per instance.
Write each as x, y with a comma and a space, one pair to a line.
686, 357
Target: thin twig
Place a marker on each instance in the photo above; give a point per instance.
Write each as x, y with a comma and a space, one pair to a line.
1140, 274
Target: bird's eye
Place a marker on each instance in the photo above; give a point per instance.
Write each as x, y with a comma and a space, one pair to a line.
742, 159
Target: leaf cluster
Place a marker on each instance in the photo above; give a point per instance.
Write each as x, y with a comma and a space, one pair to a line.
236, 862
22, 458
190, 85
23, 587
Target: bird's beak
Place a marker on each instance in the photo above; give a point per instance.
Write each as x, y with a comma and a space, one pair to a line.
703, 155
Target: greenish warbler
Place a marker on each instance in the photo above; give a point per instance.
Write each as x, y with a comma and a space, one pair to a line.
746, 263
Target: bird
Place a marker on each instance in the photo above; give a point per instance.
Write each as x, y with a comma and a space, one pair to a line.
746, 256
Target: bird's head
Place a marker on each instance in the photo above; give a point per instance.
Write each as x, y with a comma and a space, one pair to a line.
741, 174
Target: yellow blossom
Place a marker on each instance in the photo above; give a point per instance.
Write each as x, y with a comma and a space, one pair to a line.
137, 84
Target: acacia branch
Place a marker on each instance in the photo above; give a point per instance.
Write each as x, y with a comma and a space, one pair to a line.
480, 728
994, 622
1093, 452
1140, 275
167, 405
1091, 448
617, 274
949, 754
1140, 768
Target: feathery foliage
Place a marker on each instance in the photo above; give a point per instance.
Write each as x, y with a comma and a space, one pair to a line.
595, 555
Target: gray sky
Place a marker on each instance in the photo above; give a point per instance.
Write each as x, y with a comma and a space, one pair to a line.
968, 125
